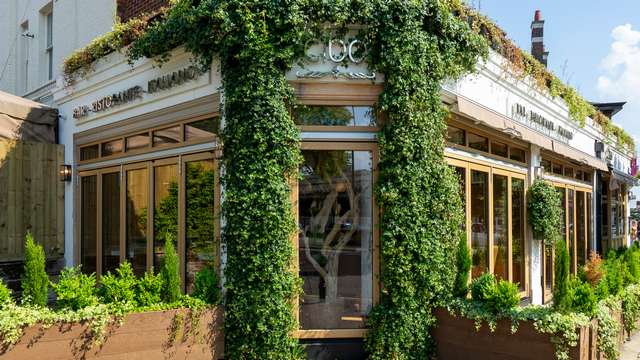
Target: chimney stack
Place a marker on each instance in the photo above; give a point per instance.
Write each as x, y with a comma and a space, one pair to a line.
537, 39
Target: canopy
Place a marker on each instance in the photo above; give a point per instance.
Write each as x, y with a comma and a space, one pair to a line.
26, 120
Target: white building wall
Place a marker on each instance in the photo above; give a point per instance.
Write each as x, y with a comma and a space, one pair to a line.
75, 24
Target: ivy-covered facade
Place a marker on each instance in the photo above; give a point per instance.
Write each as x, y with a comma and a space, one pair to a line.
327, 159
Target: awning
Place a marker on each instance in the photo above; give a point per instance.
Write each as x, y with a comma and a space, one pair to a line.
510, 127
621, 177
26, 120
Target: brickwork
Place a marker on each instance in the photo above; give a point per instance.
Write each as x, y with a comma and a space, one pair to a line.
128, 9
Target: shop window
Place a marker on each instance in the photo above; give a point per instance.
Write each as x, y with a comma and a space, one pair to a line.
136, 222
462, 180
136, 142
89, 223
572, 230
323, 115
499, 149
165, 208
556, 169
563, 208
479, 203
166, 136
581, 218
517, 232
587, 176
456, 135
549, 268
500, 227
568, 172
336, 238
589, 222
110, 221
112, 147
201, 129
517, 154
546, 164
200, 229
478, 142
579, 175
89, 152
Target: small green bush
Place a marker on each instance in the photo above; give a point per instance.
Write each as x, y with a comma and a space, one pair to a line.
149, 290
561, 289
504, 297
482, 287
463, 266
205, 286
581, 297
614, 274
632, 260
121, 287
170, 274
35, 283
545, 213
5, 293
75, 290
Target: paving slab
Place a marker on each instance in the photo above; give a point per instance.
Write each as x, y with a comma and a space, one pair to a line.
631, 349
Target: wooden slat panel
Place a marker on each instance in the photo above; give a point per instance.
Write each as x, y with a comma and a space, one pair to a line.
31, 198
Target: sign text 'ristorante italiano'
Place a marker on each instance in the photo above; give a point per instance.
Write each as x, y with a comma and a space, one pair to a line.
133, 93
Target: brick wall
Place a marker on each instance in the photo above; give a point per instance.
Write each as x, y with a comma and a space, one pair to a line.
128, 9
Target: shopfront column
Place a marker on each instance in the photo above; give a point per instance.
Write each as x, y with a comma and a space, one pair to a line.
535, 245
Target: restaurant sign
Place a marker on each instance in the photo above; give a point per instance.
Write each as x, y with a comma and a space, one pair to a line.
538, 122
131, 94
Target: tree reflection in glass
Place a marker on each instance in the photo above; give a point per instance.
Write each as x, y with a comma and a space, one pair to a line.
336, 238
165, 209
200, 218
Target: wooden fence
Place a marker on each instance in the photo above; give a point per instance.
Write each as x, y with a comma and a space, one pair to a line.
31, 198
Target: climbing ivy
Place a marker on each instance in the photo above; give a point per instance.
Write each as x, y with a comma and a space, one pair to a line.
417, 45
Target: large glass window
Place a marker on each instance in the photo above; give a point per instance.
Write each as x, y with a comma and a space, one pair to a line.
336, 238
572, 231
110, 221
479, 203
500, 227
462, 178
335, 115
200, 180
456, 135
136, 230
478, 142
581, 218
165, 209
89, 225
517, 232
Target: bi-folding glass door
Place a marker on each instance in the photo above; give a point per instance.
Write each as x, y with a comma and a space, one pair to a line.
127, 212
494, 204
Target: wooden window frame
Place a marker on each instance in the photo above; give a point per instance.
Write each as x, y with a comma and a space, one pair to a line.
493, 169
150, 148
180, 161
343, 146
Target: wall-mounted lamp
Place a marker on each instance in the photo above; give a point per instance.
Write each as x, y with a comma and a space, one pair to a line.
65, 173
538, 172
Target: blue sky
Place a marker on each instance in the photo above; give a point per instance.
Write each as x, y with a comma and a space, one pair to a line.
594, 45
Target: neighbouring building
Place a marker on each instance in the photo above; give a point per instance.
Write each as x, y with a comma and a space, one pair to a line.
143, 143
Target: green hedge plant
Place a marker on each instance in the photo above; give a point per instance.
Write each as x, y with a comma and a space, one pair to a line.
561, 300
170, 273
75, 290
5, 294
545, 213
463, 266
149, 290
206, 287
119, 288
35, 283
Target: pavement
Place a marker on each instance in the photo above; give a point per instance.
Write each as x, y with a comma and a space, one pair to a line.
631, 349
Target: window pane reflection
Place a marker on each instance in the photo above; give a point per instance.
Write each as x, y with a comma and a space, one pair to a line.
479, 222
136, 231
581, 228
335, 115
572, 230
500, 227
110, 221
166, 136
336, 239
517, 232
462, 178
200, 221
89, 226
165, 209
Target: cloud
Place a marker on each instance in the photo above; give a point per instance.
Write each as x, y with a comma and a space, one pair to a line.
621, 66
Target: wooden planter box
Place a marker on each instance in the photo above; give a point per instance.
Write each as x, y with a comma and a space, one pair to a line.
457, 338
152, 335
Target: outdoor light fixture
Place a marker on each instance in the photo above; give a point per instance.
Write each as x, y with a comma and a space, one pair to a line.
538, 172
65, 173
